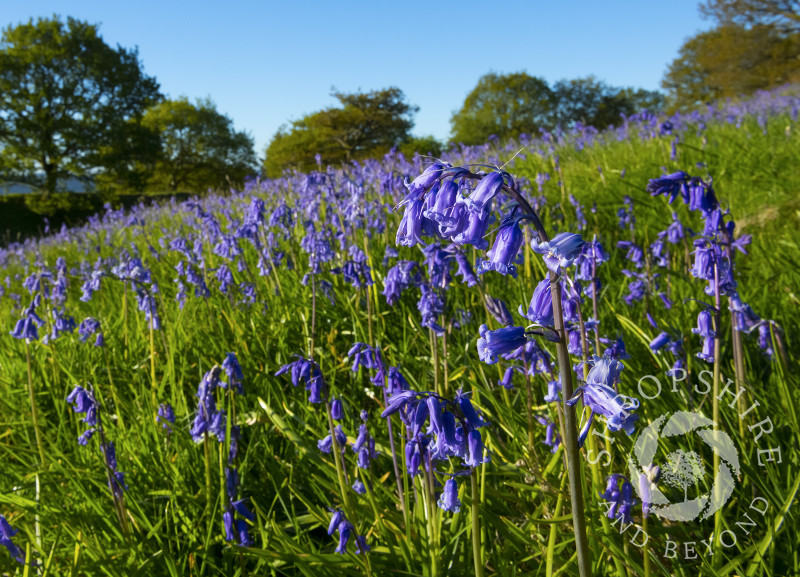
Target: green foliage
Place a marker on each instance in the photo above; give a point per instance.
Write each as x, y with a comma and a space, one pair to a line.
70, 104
367, 124
754, 46
731, 61
595, 103
423, 145
504, 105
199, 147
177, 530
783, 14
507, 105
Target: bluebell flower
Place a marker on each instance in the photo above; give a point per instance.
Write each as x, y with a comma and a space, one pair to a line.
465, 270
491, 344
662, 340
240, 507
6, 533
208, 420
745, 319
308, 371
574, 342
336, 409
228, 523
425, 180
27, 327
474, 229
449, 501
243, 534
326, 445
504, 251
475, 457
675, 230
336, 519
765, 337
621, 498
670, 185
116, 480
506, 381
617, 349
405, 274
553, 391
395, 381
84, 402
598, 395
468, 410
430, 305
552, 438
498, 310
635, 253
234, 371
560, 251
540, 309
484, 192
705, 329
359, 487
410, 230
398, 401
166, 416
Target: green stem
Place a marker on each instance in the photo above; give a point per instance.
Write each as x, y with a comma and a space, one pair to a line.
34, 411
551, 541
153, 364
571, 440
646, 548
476, 524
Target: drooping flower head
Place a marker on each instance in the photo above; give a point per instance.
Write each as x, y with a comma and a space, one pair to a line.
598, 395
504, 252
540, 309
491, 344
449, 500
306, 371
560, 251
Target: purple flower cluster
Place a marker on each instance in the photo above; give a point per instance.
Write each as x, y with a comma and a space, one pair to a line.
598, 395
208, 420
451, 431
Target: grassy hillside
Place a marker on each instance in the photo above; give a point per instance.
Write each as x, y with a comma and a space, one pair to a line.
176, 288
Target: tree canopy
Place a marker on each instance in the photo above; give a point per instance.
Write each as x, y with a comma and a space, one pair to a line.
755, 45
198, 146
595, 103
504, 105
366, 124
70, 105
507, 105
784, 15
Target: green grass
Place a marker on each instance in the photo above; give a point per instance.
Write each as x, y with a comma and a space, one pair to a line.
68, 522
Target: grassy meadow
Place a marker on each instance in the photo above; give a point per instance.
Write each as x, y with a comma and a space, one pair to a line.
228, 274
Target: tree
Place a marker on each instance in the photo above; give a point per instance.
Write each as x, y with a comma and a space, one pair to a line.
367, 124
504, 105
783, 15
68, 102
199, 147
424, 145
595, 103
731, 60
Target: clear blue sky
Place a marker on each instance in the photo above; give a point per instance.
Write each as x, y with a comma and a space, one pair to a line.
265, 63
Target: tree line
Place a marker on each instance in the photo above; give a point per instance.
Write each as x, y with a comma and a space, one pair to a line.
71, 106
